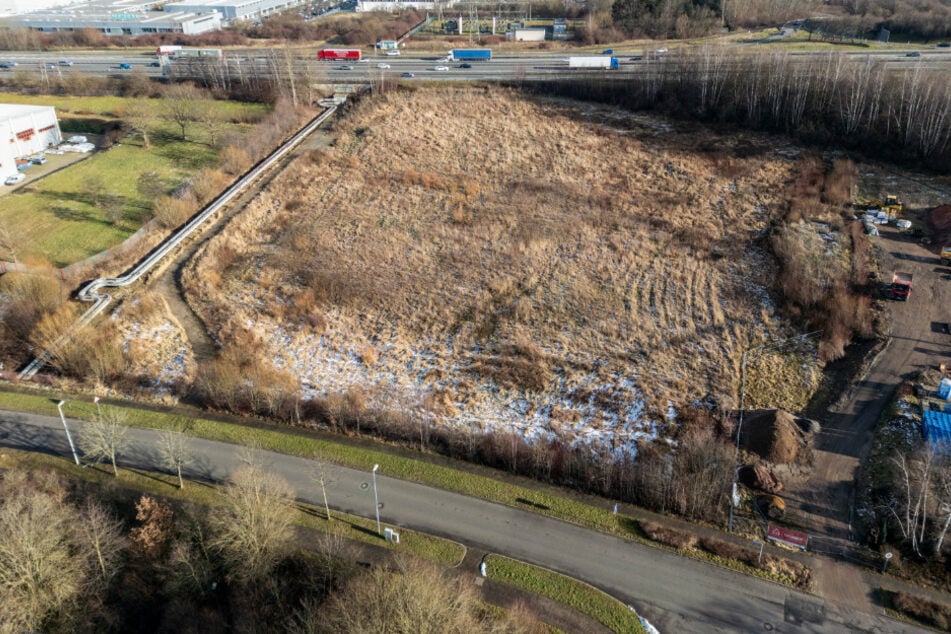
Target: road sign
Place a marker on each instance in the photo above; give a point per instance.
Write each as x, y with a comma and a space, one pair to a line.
788, 537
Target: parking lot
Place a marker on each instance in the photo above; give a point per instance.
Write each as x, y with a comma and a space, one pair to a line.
54, 162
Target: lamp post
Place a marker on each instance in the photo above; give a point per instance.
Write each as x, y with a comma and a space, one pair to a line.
376, 501
59, 406
739, 426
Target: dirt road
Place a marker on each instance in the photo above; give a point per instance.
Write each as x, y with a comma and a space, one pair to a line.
822, 501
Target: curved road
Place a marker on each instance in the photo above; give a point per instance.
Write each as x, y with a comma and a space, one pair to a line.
677, 595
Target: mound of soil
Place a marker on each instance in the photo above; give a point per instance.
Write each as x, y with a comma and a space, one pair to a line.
760, 478
775, 435
940, 219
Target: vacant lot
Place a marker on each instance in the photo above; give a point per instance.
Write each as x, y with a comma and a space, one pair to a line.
482, 259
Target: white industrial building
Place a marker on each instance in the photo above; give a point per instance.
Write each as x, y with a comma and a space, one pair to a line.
24, 131
231, 10
391, 7
530, 35
125, 21
18, 7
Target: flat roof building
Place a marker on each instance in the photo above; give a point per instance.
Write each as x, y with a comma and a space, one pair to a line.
25, 130
231, 10
121, 17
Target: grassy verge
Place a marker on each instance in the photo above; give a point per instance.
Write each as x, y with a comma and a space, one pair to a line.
349, 455
440, 551
586, 599
915, 609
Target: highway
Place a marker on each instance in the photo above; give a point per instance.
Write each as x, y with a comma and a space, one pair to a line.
501, 67
676, 594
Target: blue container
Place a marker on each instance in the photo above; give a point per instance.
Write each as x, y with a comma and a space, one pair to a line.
944, 389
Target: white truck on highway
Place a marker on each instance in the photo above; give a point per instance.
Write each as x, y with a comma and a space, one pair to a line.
594, 61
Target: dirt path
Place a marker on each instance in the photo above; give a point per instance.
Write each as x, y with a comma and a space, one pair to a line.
168, 281
822, 500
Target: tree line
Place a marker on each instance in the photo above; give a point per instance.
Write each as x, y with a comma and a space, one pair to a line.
858, 104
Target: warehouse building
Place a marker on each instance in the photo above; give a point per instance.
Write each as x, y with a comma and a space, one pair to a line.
126, 21
24, 131
231, 10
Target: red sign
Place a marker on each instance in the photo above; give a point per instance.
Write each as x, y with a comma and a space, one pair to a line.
788, 537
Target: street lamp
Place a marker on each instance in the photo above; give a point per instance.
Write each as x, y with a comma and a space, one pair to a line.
376, 501
739, 426
59, 406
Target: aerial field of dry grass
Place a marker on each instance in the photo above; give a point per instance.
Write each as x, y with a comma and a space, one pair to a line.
479, 258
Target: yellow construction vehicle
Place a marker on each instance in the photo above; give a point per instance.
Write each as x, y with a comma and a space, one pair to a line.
891, 205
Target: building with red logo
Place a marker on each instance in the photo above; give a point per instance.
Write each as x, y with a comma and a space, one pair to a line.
24, 131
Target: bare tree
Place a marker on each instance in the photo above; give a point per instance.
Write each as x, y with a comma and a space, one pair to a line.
253, 528
139, 117
320, 476
173, 444
9, 242
912, 491
104, 436
183, 105
42, 563
103, 533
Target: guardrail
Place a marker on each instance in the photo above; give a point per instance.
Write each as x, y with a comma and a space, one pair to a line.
90, 292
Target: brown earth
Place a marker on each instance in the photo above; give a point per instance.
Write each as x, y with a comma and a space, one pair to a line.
773, 434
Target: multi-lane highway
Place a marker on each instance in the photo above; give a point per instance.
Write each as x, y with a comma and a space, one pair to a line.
501, 67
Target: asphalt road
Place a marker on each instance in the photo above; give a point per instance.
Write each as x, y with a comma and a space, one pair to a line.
677, 595
501, 67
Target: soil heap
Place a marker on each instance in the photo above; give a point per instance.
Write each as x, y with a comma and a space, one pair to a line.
775, 435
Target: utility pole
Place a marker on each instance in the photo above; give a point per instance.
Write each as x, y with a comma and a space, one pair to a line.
376, 501
69, 437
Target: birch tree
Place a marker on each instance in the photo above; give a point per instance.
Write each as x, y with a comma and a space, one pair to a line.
173, 445
104, 437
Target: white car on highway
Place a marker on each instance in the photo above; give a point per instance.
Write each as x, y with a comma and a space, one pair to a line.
382, 65
393, 52
441, 68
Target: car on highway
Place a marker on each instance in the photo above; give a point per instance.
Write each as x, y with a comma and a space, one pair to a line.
636, 58
465, 65
382, 65
50, 66
8, 64
393, 52
407, 75
345, 67
944, 45
13, 179
608, 51
65, 62
155, 64
125, 66
444, 60
913, 54
441, 68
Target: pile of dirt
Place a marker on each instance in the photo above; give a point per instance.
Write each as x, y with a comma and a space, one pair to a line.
760, 478
940, 220
776, 435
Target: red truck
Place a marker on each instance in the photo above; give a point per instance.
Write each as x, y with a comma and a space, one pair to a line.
900, 288
340, 54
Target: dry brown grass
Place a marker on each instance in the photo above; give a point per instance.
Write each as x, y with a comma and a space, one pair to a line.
559, 252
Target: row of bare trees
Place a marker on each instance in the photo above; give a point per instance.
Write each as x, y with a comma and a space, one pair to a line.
858, 103
70, 563
916, 503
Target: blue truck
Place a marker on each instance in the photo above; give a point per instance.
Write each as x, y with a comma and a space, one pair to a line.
470, 54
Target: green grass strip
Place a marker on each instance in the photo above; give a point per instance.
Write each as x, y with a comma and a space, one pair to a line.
341, 452
435, 549
578, 595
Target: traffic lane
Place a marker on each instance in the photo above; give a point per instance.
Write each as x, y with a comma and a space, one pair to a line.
647, 578
690, 595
